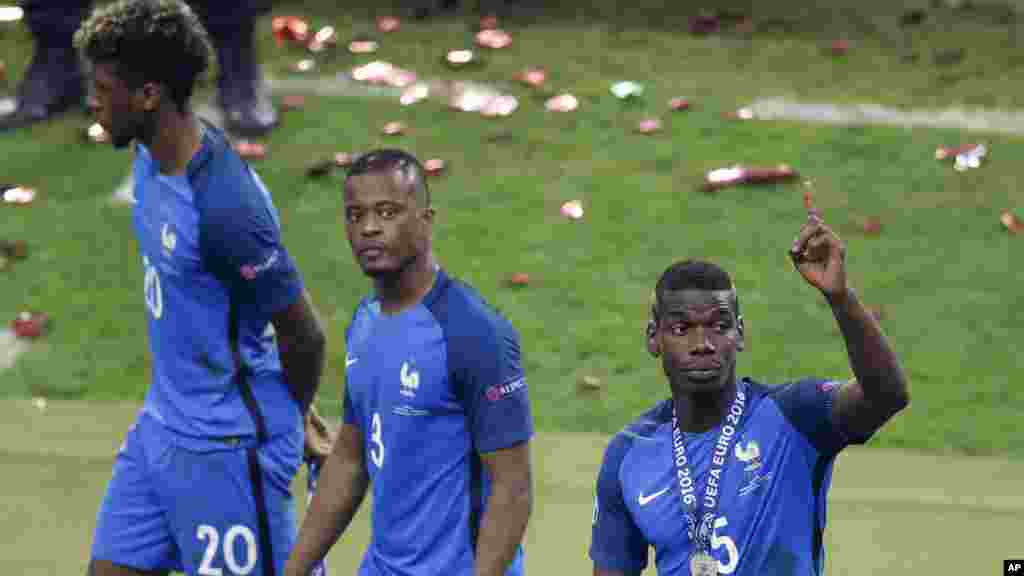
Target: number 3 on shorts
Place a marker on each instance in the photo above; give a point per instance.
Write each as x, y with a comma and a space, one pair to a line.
231, 560
377, 449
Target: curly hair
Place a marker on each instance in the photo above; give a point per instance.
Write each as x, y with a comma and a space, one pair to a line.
160, 41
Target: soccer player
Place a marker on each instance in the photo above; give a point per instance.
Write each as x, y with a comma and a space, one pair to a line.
730, 476
436, 414
201, 483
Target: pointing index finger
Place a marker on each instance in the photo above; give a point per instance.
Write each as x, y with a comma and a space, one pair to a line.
812, 212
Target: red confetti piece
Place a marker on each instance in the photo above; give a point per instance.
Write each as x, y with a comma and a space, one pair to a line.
840, 47
303, 66
562, 103
414, 94
290, 28
293, 102
97, 134
489, 22
951, 152
649, 126
871, 226
494, 39
344, 159
735, 175
519, 279
679, 104
500, 106
741, 114
1012, 224
18, 195
3, 71
387, 24
324, 38
434, 166
393, 129
459, 57
362, 46
30, 325
572, 210
16, 250
534, 77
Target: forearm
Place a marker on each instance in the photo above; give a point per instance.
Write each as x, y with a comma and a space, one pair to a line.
302, 361
871, 358
502, 528
341, 490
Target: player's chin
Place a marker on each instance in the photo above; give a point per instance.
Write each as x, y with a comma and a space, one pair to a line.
378, 268
707, 381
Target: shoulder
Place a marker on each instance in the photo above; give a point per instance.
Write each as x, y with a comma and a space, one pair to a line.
644, 429
466, 317
224, 184
359, 325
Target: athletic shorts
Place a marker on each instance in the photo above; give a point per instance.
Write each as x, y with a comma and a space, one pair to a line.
221, 508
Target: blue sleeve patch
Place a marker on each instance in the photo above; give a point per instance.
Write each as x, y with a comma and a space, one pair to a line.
616, 541
241, 238
807, 405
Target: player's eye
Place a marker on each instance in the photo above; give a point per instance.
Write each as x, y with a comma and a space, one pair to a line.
679, 329
352, 216
387, 212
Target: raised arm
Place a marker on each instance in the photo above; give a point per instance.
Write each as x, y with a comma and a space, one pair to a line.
880, 388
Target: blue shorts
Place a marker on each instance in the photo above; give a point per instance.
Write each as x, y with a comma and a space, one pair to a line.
220, 508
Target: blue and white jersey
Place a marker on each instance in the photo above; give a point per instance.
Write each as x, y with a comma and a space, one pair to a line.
215, 273
771, 504
431, 388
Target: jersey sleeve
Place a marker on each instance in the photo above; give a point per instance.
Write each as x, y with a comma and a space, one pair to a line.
616, 542
348, 412
488, 368
808, 406
241, 237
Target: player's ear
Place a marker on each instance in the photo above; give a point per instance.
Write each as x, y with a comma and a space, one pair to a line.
653, 347
151, 93
428, 215
741, 342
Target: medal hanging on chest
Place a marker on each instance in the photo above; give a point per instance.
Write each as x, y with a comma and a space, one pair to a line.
704, 506
703, 564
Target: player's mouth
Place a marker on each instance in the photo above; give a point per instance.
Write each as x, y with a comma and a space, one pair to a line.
371, 252
702, 375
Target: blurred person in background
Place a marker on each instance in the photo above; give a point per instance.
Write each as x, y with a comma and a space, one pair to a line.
54, 83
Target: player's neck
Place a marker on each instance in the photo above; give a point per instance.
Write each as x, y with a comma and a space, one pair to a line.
175, 140
407, 288
701, 411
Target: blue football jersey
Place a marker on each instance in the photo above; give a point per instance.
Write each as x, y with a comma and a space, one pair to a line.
431, 388
215, 271
771, 510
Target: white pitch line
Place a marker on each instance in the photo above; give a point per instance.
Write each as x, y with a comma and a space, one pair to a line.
992, 121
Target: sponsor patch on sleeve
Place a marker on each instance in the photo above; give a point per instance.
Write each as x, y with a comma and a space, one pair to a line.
498, 392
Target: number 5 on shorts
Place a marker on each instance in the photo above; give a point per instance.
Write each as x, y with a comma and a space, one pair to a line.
231, 561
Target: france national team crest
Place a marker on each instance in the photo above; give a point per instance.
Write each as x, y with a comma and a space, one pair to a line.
749, 454
410, 380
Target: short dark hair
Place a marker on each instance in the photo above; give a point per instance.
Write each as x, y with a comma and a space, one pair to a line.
391, 160
693, 275
159, 41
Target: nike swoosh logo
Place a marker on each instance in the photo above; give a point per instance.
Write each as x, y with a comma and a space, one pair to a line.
350, 361
645, 500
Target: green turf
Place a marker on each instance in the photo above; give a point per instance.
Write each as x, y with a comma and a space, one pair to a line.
888, 511
942, 266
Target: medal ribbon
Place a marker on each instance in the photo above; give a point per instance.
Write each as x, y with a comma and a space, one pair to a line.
701, 535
